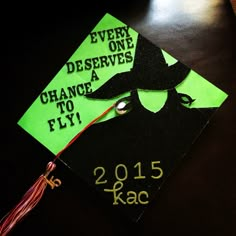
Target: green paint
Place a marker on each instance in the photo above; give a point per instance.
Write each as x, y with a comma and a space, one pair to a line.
152, 100
205, 93
35, 119
55, 123
168, 58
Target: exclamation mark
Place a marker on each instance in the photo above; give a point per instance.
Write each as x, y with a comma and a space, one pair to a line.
78, 117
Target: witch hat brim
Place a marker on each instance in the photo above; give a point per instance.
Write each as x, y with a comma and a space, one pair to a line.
150, 71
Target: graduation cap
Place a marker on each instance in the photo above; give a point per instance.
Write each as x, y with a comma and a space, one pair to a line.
109, 98
134, 154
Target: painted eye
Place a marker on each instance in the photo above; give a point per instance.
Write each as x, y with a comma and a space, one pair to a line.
186, 99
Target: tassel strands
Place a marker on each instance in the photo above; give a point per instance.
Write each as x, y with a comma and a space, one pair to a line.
27, 203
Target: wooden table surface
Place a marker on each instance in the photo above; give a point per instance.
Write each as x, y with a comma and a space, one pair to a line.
200, 197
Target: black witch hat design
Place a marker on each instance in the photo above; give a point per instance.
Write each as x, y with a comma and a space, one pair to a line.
150, 71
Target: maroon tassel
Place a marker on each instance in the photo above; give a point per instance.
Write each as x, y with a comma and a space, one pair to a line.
27, 203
